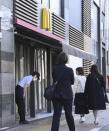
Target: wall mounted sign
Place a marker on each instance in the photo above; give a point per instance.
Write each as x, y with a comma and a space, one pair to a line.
46, 19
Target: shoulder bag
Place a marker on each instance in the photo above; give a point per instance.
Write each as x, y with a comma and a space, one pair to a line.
49, 91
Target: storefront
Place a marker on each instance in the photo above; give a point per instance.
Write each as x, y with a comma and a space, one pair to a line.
35, 52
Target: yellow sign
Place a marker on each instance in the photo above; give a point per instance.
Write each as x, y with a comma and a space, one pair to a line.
46, 19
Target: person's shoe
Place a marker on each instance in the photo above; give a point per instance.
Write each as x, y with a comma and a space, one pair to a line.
24, 122
82, 119
96, 122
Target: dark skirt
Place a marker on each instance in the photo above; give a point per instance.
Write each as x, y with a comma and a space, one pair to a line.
81, 110
80, 102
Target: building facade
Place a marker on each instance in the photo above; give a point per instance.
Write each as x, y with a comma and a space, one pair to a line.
99, 34
32, 33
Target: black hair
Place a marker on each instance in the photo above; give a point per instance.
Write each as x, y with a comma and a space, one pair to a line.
36, 73
94, 71
80, 71
62, 58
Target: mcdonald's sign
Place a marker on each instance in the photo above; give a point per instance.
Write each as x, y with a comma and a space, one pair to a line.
46, 19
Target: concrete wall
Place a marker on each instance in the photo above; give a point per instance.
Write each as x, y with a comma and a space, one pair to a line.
74, 62
7, 65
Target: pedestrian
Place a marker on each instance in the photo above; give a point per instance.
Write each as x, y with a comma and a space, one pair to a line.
80, 100
94, 90
63, 95
20, 94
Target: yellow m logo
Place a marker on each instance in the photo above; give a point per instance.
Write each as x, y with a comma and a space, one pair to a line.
46, 19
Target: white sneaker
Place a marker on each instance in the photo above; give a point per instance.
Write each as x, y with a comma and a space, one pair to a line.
82, 119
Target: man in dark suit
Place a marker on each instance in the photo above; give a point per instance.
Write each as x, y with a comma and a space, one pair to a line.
63, 95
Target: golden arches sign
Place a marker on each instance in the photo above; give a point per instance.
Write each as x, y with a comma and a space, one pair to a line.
46, 19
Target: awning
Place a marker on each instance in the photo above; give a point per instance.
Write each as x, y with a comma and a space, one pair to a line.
67, 48
38, 30
70, 50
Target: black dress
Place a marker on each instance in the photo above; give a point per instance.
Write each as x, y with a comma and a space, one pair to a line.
94, 90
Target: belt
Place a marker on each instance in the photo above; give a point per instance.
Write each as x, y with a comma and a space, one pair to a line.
19, 86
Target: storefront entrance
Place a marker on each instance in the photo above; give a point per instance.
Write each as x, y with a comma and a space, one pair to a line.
25, 62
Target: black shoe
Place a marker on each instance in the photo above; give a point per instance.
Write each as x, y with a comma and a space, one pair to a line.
24, 122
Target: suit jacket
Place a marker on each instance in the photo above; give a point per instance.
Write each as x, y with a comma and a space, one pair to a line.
65, 77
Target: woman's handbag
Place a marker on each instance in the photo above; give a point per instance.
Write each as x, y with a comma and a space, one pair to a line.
49, 91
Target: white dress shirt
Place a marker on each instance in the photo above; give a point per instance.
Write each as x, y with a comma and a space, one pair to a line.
25, 80
79, 84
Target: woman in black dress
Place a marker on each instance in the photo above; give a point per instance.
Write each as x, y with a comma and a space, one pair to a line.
94, 90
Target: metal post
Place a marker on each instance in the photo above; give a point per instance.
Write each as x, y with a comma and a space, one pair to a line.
32, 95
32, 100
48, 77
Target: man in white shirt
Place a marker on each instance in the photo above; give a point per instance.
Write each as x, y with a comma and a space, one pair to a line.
20, 94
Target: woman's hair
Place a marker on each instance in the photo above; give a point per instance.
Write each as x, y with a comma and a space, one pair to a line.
94, 71
80, 71
62, 58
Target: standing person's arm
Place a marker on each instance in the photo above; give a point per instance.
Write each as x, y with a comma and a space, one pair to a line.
76, 84
25, 89
72, 77
53, 76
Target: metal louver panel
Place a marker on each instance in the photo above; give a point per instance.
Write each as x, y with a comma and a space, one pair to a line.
86, 17
86, 66
27, 10
76, 38
58, 26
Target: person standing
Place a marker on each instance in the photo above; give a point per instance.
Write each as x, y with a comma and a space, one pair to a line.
63, 95
20, 91
80, 101
94, 90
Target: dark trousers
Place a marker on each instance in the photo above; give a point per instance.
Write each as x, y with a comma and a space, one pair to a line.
67, 105
20, 102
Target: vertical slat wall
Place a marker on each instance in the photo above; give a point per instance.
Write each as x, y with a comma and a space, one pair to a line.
86, 28
86, 66
58, 26
26, 10
76, 38
86, 17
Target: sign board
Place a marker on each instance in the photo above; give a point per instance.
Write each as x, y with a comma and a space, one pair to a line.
46, 19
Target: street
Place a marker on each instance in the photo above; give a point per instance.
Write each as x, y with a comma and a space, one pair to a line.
45, 124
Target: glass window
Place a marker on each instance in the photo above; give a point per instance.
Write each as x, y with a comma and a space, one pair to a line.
0, 24
94, 22
103, 26
55, 6
46, 3
75, 13
103, 5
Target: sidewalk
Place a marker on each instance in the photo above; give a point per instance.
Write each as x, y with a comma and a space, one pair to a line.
105, 128
45, 124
